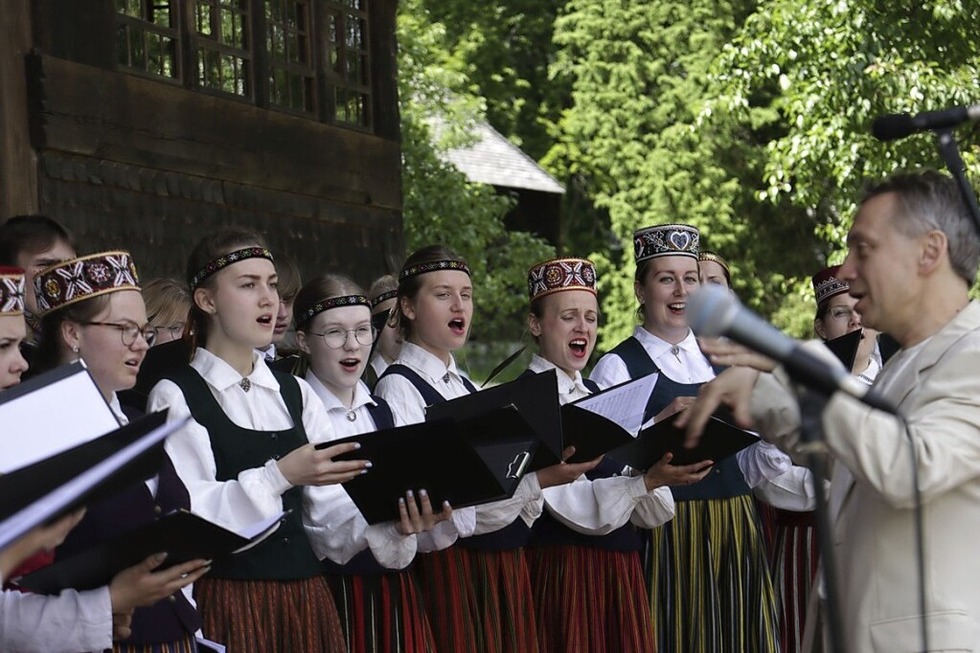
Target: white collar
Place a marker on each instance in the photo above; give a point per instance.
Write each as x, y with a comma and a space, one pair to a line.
219, 374
566, 385
330, 401
427, 363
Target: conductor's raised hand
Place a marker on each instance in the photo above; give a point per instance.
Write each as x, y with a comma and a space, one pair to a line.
726, 353
416, 515
307, 465
565, 472
664, 474
733, 388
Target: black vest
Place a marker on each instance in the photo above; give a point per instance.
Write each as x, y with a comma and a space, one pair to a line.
170, 619
286, 554
725, 479
514, 535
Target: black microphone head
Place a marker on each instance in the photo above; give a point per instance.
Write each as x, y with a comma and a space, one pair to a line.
711, 310
892, 126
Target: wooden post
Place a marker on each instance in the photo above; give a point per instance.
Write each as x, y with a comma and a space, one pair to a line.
18, 161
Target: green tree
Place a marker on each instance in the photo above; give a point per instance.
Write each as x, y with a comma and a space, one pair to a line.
440, 205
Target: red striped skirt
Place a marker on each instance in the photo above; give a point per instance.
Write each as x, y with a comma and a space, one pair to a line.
794, 567
262, 616
186, 645
591, 600
382, 612
478, 600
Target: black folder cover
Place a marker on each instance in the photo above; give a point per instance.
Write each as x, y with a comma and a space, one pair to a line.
465, 462
720, 440
183, 535
23, 491
845, 347
534, 396
592, 435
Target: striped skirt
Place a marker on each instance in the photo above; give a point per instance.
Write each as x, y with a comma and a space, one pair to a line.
382, 612
261, 616
478, 600
590, 600
794, 567
187, 645
709, 582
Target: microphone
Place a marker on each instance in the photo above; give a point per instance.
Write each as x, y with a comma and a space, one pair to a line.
713, 311
899, 125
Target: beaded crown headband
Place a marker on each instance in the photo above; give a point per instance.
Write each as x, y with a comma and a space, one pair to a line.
74, 280
666, 240
827, 285
383, 297
12, 287
225, 260
560, 274
333, 302
705, 255
432, 266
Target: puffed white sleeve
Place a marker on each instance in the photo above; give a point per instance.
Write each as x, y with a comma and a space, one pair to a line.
255, 494
525, 504
609, 371
790, 491
601, 506
762, 462
67, 623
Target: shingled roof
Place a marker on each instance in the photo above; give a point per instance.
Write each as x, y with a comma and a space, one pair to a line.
494, 160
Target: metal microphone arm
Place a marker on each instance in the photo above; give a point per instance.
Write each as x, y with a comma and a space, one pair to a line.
954, 162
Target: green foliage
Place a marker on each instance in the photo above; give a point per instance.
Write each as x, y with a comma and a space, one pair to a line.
439, 204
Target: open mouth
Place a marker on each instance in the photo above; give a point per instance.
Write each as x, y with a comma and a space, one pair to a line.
266, 320
578, 347
350, 364
677, 308
457, 326
134, 363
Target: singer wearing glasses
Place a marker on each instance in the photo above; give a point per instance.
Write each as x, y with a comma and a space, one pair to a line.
911, 260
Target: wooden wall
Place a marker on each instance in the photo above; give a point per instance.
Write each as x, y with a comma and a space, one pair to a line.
127, 161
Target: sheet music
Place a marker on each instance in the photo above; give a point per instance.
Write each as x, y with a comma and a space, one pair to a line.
623, 404
55, 417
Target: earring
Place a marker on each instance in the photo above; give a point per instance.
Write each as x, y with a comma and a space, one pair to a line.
74, 349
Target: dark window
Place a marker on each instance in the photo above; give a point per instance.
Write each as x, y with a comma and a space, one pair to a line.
312, 58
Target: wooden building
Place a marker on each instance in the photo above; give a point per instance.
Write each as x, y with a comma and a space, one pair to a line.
144, 124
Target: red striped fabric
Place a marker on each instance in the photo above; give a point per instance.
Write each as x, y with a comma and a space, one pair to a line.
186, 645
590, 600
262, 616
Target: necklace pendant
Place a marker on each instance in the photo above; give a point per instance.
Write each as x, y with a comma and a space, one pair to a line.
676, 351
245, 384
445, 379
351, 416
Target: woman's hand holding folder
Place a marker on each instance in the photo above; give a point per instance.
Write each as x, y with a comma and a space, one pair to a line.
307, 465
563, 472
416, 516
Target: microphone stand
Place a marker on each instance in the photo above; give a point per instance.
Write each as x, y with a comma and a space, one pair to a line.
812, 405
954, 163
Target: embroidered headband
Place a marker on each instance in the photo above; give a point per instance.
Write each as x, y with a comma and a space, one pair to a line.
12, 286
705, 255
827, 285
666, 240
432, 266
333, 302
383, 297
71, 281
227, 259
560, 274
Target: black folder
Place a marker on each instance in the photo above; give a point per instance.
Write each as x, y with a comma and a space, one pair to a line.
182, 535
719, 441
534, 396
40, 492
845, 347
592, 435
465, 462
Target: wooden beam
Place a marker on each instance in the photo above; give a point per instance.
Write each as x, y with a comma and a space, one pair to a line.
18, 163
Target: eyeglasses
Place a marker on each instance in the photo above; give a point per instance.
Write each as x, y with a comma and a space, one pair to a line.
841, 313
128, 331
337, 338
176, 330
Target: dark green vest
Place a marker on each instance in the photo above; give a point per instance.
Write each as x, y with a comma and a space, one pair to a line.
286, 554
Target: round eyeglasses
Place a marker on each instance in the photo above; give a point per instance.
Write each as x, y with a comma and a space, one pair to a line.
337, 338
129, 331
175, 330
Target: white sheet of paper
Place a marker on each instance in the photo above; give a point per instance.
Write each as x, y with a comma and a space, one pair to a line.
623, 404
259, 530
51, 419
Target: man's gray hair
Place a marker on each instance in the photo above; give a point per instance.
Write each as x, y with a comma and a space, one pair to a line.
930, 200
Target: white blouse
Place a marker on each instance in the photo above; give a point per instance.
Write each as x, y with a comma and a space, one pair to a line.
69, 622
408, 406
601, 506
256, 493
684, 363
331, 518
